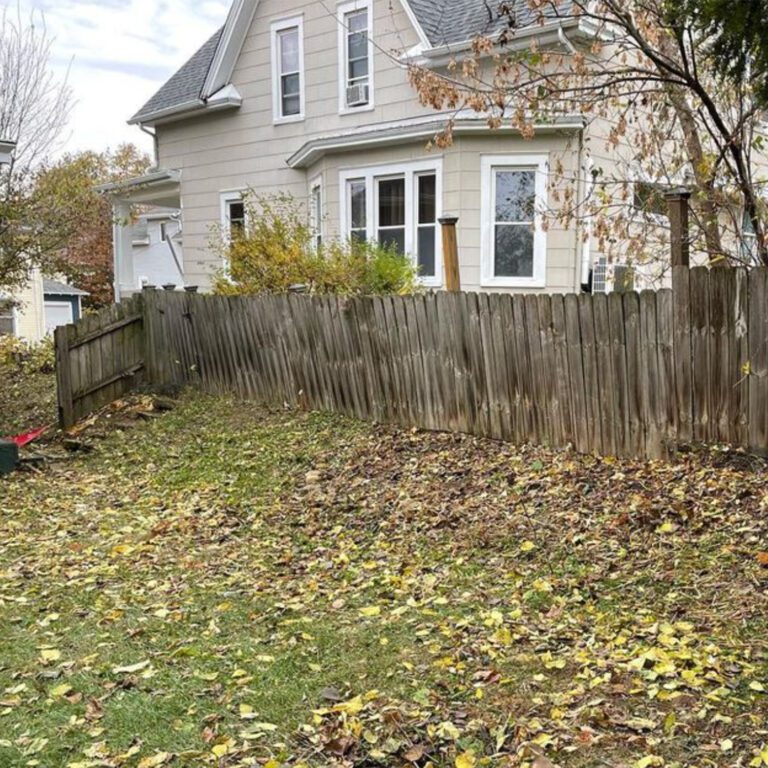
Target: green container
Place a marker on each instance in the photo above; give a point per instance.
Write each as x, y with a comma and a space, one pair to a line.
9, 457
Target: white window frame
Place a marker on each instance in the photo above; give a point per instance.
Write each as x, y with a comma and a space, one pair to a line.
318, 230
489, 165
410, 171
342, 10
226, 197
14, 315
277, 101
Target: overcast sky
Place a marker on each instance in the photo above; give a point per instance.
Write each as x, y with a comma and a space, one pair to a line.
116, 54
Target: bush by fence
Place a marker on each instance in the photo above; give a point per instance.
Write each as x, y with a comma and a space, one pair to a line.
620, 374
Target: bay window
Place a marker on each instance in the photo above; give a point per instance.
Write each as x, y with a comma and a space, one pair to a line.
397, 207
513, 239
288, 70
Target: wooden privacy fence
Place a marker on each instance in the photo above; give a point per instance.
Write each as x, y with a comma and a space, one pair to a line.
99, 359
620, 374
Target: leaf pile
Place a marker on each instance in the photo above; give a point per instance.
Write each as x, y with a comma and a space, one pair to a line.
228, 586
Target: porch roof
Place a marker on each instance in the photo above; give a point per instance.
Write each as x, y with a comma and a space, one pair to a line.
160, 188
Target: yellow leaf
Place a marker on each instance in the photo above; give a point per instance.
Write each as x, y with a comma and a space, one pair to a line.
220, 750
667, 528
273, 764
467, 760
133, 668
50, 654
649, 760
755, 686
726, 745
161, 758
60, 690
370, 611
527, 546
351, 707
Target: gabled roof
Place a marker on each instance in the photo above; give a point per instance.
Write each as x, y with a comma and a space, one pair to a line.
446, 22
203, 82
55, 288
186, 86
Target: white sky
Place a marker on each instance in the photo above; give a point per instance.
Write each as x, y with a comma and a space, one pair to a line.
116, 54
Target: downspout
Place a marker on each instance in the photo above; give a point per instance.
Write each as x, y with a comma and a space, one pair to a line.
584, 245
155, 143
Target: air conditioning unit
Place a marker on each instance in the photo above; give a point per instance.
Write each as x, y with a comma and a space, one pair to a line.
358, 95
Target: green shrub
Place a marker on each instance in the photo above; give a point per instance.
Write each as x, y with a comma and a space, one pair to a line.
27, 358
278, 253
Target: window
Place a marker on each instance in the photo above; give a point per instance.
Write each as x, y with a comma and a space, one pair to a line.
233, 214
163, 231
514, 242
7, 318
748, 241
399, 207
355, 56
316, 213
358, 205
288, 70
426, 224
391, 213
600, 276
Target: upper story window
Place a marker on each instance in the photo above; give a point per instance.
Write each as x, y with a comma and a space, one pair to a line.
514, 241
397, 206
355, 56
288, 70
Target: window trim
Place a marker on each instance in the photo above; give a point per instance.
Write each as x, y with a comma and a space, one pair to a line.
489, 164
411, 171
342, 10
318, 230
277, 102
225, 198
14, 315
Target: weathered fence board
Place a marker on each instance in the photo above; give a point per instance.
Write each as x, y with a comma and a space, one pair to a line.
99, 359
624, 374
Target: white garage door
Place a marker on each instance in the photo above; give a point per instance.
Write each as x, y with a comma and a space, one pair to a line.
57, 313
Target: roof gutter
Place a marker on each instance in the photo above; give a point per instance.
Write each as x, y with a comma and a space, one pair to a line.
226, 98
554, 29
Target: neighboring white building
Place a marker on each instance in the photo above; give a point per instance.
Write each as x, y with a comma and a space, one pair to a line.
157, 254
6, 151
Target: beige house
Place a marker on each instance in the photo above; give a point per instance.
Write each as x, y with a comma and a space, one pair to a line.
35, 311
312, 98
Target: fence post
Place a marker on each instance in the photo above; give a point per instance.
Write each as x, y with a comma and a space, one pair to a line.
451, 254
677, 202
64, 378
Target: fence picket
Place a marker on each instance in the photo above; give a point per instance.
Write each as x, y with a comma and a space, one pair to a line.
632, 374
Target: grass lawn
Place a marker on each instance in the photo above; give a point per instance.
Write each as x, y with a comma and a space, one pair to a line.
230, 586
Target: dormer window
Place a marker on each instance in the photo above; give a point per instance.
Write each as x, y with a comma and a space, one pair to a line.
355, 56
288, 70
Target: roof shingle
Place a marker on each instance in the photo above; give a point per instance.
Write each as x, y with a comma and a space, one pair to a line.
444, 22
186, 85
447, 22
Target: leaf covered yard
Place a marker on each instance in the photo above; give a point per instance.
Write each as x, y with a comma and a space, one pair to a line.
227, 586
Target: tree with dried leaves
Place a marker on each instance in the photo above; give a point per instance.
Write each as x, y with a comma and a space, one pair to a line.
70, 205
34, 110
656, 104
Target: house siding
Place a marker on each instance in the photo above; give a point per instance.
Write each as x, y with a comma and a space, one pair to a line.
245, 149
